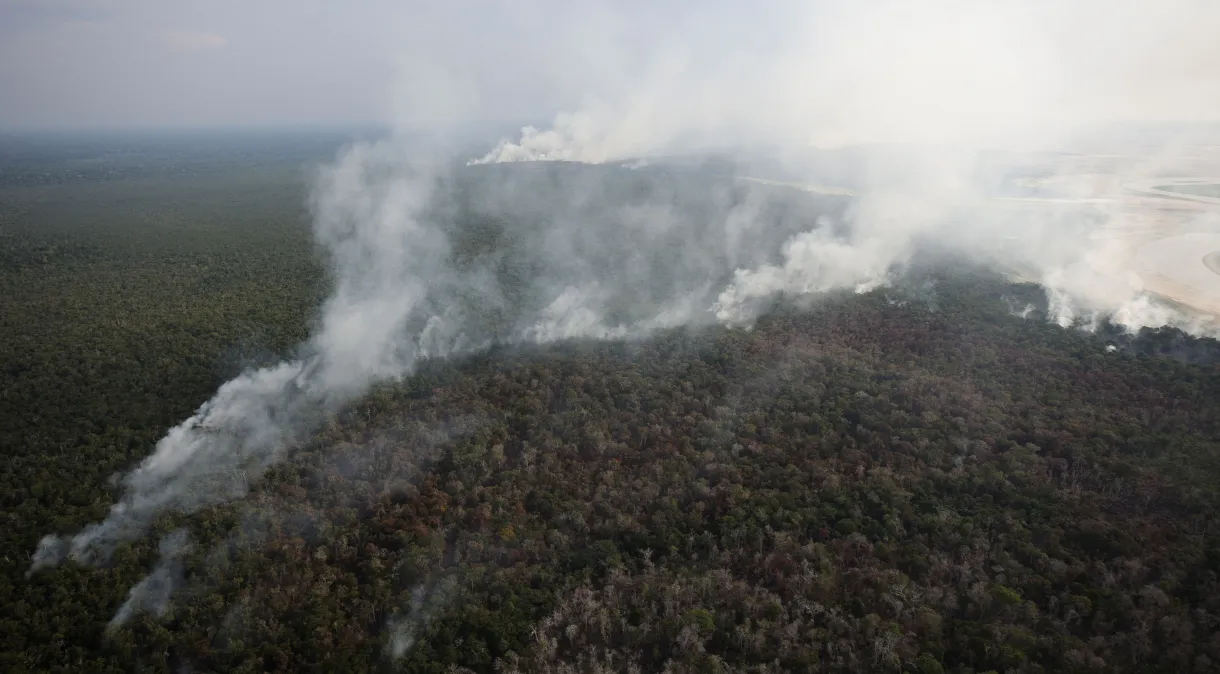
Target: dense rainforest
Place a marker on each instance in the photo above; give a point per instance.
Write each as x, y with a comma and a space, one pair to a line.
912, 479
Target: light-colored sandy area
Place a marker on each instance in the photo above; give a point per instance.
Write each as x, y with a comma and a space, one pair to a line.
808, 187
1171, 235
1164, 237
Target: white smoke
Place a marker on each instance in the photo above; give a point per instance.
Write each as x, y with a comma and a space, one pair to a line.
933, 79
409, 283
574, 137
404, 629
368, 221
813, 263
585, 252
152, 595
207, 459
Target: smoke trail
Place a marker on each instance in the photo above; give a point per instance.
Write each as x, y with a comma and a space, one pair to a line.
426, 602
367, 215
431, 260
152, 594
207, 459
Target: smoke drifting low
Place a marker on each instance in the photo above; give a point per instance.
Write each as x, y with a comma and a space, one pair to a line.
931, 98
435, 256
430, 260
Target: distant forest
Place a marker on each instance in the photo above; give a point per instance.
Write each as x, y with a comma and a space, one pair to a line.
909, 480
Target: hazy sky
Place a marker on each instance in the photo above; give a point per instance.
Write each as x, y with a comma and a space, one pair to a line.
215, 62
192, 62
170, 62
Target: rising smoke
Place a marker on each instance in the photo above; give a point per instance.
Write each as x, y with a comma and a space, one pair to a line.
152, 595
925, 88
432, 257
431, 260
404, 629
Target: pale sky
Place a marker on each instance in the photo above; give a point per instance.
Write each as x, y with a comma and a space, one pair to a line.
847, 67
268, 62
134, 63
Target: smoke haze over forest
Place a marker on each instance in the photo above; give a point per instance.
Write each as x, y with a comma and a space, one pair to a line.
598, 228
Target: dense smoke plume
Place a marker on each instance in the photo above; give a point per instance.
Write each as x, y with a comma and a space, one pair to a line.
929, 93
250, 422
902, 104
431, 259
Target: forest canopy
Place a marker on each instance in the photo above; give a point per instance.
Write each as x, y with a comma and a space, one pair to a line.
913, 479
